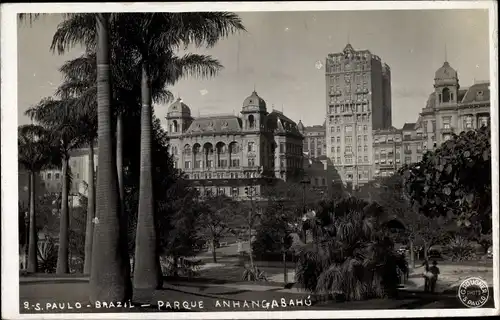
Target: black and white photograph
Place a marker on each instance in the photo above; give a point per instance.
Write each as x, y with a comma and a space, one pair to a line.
250, 160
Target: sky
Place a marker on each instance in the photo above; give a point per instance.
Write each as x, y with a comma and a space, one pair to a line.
278, 53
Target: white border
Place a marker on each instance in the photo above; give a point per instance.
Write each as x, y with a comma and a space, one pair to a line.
10, 274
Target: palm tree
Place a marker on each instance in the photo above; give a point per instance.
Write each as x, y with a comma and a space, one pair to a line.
59, 116
79, 86
154, 37
110, 276
351, 257
37, 152
198, 28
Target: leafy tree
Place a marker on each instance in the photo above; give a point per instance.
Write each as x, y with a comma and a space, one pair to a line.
37, 151
215, 220
351, 256
455, 180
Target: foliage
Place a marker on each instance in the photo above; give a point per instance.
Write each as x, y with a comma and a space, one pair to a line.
38, 150
460, 249
182, 268
351, 256
254, 274
275, 228
215, 219
77, 234
47, 255
455, 180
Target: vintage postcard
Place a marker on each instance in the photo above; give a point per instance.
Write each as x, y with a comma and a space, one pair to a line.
250, 160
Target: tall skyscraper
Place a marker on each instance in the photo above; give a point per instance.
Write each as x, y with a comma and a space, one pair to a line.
358, 100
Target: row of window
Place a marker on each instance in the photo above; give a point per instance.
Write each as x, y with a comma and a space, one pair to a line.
350, 159
347, 118
221, 175
348, 139
349, 149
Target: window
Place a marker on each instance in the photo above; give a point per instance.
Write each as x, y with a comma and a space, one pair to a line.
366, 158
251, 147
235, 162
338, 149
348, 160
348, 149
282, 147
359, 159
176, 164
365, 148
468, 122
235, 192
365, 128
57, 176
484, 121
251, 162
407, 160
49, 176
210, 163
282, 163
187, 164
359, 138
446, 122
348, 128
359, 148
338, 159
197, 164
222, 163
332, 129
433, 125
338, 129
333, 149
365, 138
338, 139
348, 139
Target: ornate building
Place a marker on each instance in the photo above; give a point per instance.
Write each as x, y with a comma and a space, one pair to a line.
225, 154
314, 139
453, 109
358, 101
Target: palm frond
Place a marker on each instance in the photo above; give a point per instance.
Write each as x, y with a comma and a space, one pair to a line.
78, 29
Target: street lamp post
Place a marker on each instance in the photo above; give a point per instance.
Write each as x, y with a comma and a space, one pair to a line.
250, 192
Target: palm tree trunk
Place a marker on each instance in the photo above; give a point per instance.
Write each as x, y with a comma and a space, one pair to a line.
119, 156
89, 230
63, 252
109, 276
146, 269
32, 243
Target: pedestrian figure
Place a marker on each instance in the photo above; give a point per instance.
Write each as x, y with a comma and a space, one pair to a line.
434, 270
426, 275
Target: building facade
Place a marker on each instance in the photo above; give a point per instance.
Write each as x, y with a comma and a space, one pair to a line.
387, 151
358, 101
226, 154
453, 109
314, 139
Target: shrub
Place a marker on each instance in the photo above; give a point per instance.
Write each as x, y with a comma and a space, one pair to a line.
351, 257
47, 255
254, 274
184, 268
460, 249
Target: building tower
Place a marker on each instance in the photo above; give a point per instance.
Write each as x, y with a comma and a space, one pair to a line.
178, 118
254, 113
358, 100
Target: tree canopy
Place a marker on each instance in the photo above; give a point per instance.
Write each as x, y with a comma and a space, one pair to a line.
455, 180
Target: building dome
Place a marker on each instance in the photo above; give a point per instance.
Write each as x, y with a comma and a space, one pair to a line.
254, 103
179, 109
445, 72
